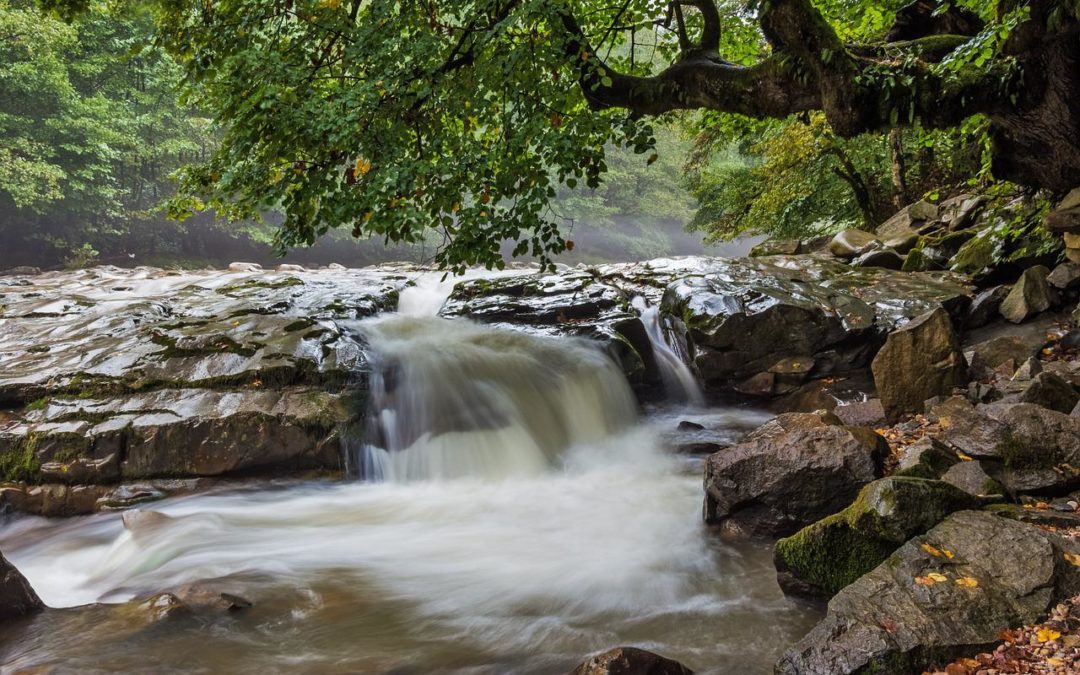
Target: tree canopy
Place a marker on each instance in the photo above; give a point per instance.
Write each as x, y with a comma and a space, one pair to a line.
464, 117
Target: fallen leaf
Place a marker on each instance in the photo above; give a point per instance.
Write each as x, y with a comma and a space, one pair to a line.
962, 456
1046, 634
1073, 558
937, 552
967, 582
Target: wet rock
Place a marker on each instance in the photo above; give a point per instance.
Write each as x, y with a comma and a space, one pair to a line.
824, 557
287, 267
852, 243
17, 598
919, 361
885, 258
181, 432
108, 331
743, 316
1050, 391
163, 606
1029, 296
795, 469
630, 661
201, 596
960, 212
900, 619
985, 307
50, 500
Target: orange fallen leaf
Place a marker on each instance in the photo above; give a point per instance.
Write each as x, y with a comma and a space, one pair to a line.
962, 456
937, 552
1042, 506
967, 582
931, 579
1073, 558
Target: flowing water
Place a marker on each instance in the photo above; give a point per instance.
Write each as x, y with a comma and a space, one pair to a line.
515, 515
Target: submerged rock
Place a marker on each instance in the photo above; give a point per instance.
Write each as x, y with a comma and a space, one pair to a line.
921, 360
17, 598
941, 595
826, 556
630, 661
792, 471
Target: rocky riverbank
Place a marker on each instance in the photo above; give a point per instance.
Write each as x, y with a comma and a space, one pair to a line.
923, 477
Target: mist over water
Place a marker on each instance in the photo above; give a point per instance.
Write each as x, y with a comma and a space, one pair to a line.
515, 516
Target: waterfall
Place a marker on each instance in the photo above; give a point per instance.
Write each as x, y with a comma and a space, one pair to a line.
452, 398
679, 381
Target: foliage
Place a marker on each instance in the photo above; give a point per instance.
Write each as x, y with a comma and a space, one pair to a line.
89, 128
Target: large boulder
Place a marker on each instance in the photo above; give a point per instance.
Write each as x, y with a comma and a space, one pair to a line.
944, 594
921, 360
852, 243
1029, 296
17, 598
1025, 447
630, 661
790, 472
743, 317
826, 556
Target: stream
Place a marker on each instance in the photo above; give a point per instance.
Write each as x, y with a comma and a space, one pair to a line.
512, 512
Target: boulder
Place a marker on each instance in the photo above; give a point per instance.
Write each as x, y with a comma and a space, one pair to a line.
959, 212
911, 218
790, 472
1050, 391
776, 247
862, 413
630, 661
943, 594
921, 360
926, 458
971, 477
744, 316
824, 557
985, 307
1065, 217
1065, 277
991, 354
885, 258
1029, 296
852, 243
17, 598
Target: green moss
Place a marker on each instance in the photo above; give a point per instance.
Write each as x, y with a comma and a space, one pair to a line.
39, 404
284, 282
830, 554
218, 344
299, 324
19, 462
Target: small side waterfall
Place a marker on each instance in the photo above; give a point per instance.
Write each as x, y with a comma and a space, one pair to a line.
679, 381
452, 399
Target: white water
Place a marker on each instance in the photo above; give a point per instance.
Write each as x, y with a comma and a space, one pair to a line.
680, 384
525, 520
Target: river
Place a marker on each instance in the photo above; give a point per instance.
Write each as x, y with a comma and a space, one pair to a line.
512, 511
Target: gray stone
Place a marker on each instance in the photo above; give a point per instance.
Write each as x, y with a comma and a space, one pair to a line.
1065, 277
17, 598
985, 307
899, 619
790, 472
1029, 296
970, 477
852, 243
921, 360
911, 218
885, 258
1050, 391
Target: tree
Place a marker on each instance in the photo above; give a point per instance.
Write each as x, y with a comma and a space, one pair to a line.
463, 116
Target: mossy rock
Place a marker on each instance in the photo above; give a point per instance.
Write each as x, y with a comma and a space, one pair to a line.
832, 553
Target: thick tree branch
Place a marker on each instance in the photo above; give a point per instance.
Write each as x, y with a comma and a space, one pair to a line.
710, 32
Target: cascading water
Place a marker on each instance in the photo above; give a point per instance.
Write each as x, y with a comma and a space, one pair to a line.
451, 399
523, 519
679, 382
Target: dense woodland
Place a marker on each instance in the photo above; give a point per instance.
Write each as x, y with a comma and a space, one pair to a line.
107, 109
